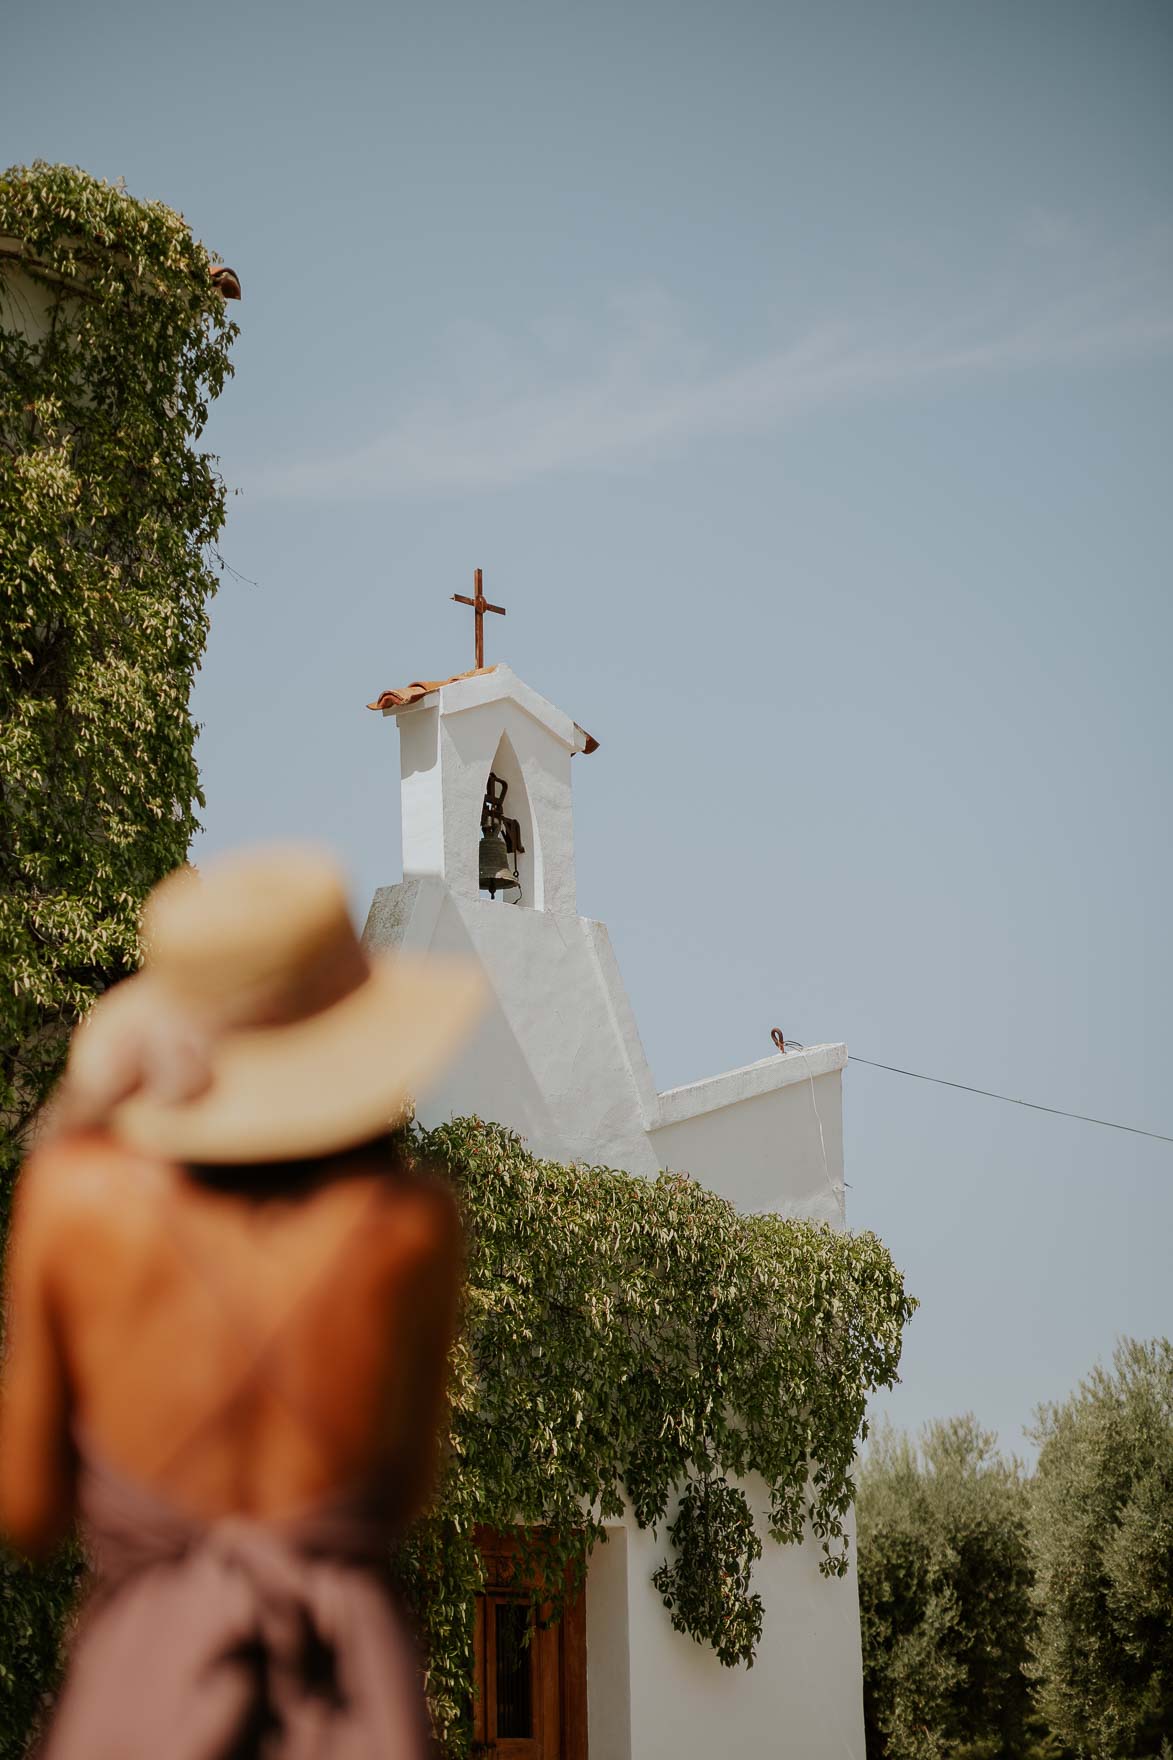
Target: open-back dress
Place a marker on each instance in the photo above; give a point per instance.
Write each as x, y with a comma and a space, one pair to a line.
237, 1637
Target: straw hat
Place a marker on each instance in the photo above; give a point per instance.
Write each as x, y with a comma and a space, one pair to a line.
311, 1044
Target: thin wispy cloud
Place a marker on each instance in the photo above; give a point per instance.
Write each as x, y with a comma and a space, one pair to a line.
643, 385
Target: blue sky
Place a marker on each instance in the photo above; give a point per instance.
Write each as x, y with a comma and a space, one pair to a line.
800, 376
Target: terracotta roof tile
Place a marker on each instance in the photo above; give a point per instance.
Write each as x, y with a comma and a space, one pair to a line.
423, 687
411, 693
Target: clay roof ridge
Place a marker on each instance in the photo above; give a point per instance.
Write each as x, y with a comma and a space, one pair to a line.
423, 687
406, 695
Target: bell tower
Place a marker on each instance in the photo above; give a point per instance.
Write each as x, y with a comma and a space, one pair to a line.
472, 743
488, 872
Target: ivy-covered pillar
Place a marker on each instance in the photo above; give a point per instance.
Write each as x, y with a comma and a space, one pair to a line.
114, 340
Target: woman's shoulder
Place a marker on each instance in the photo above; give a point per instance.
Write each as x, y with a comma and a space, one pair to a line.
419, 1210
80, 1173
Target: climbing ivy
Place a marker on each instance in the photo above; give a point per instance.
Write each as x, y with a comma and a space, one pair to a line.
707, 1587
113, 343
635, 1344
36, 1602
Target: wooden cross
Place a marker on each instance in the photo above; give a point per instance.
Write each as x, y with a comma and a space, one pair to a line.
480, 605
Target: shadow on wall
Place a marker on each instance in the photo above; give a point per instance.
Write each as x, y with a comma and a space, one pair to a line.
491, 1077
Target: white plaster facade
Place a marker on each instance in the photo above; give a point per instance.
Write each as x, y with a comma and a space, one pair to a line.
558, 1057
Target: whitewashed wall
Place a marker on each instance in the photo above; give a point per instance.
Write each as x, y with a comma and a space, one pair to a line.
802, 1699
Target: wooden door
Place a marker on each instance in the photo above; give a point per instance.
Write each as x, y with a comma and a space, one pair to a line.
530, 1678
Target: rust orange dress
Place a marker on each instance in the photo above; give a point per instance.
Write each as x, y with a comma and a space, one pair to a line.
238, 1637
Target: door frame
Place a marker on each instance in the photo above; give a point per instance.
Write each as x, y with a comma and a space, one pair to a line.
568, 1637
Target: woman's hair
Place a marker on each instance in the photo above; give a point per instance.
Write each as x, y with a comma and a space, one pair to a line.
295, 1179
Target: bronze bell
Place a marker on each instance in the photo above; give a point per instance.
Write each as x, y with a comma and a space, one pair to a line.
496, 865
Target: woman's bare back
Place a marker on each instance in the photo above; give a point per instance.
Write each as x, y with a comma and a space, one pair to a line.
248, 1351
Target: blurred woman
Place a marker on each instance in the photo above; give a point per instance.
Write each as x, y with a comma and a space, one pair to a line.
230, 1305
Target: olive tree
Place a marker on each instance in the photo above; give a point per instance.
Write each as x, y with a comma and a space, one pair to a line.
1102, 1530
944, 1587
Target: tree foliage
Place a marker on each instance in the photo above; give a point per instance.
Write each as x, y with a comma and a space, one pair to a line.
638, 1344
1103, 1542
944, 1585
35, 1604
113, 342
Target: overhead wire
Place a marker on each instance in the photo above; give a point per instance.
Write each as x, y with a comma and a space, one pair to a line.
1109, 1124
788, 1045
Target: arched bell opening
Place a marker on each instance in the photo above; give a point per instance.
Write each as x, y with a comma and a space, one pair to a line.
507, 857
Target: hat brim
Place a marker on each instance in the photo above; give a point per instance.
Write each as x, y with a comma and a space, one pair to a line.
321, 1084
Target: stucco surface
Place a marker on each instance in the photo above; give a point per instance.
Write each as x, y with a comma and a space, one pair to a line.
801, 1700
548, 1058
778, 1150
445, 760
608, 1643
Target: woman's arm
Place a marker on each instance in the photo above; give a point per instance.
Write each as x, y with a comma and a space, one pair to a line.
144, 1040
36, 1454
428, 1302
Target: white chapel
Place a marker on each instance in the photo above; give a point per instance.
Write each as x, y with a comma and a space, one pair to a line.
488, 870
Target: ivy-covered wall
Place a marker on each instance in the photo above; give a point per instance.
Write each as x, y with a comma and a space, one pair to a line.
113, 343
639, 1345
